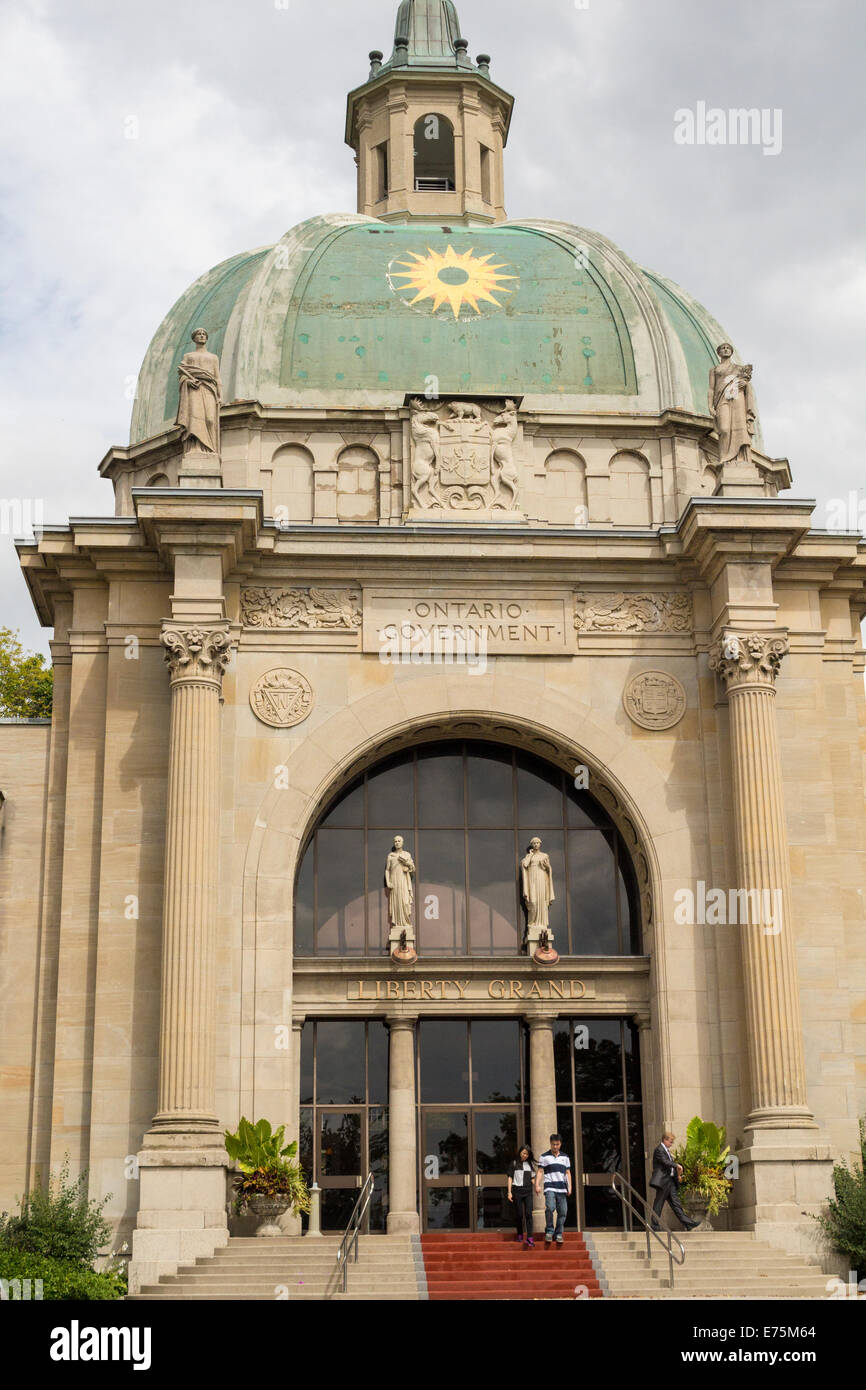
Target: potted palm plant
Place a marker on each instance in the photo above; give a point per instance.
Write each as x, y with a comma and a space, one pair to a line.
270, 1181
705, 1188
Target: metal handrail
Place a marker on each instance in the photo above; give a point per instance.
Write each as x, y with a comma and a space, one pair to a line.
647, 1224
349, 1242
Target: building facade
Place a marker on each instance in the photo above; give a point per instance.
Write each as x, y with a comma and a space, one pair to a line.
460, 530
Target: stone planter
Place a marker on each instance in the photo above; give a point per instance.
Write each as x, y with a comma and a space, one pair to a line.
696, 1208
268, 1210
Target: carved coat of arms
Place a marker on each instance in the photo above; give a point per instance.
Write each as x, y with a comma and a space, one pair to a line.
466, 452
464, 462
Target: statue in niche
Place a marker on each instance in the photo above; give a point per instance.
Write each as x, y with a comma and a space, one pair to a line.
732, 402
425, 456
399, 872
536, 884
198, 412
505, 478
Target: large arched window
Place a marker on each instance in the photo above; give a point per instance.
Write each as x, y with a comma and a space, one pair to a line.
467, 812
434, 155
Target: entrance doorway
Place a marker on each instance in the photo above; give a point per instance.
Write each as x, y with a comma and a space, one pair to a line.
472, 1091
466, 1155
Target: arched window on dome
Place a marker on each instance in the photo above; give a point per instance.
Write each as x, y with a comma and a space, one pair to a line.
434, 155
630, 494
358, 484
565, 489
466, 811
159, 480
292, 485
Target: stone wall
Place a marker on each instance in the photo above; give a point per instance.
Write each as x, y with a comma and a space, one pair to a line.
23, 774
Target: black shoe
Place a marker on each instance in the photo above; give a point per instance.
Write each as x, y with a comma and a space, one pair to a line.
690, 1225
656, 1226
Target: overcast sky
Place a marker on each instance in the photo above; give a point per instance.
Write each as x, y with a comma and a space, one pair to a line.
240, 108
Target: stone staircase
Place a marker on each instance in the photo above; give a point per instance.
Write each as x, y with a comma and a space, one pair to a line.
294, 1267
491, 1266
719, 1264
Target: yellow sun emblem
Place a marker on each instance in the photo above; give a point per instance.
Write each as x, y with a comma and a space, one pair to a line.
451, 279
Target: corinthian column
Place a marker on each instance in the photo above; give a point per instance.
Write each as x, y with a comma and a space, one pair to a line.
197, 658
748, 666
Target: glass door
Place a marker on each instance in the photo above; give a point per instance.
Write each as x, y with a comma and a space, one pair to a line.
601, 1155
445, 1170
465, 1156
341, 1146
494, 1143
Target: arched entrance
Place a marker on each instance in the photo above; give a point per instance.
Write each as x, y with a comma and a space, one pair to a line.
467, 809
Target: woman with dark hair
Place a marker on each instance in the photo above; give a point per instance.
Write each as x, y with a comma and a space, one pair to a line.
520, 1189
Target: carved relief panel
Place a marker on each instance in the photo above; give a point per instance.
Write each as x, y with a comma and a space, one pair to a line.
464, 461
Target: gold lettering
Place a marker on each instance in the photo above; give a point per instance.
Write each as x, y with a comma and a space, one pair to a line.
407, 984
496, 989
535, 991
559, 987
393, 987
378, 989
442, 987
516, 989
462, 988
426, 989
581, 986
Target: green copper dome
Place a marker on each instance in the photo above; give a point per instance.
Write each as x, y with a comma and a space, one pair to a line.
346, 311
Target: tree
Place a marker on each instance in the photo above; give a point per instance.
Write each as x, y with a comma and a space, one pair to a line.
26, 687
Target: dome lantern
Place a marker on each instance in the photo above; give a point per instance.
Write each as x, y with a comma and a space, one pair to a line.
429, 126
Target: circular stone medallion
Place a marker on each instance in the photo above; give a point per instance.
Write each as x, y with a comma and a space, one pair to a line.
281, 698
655, 700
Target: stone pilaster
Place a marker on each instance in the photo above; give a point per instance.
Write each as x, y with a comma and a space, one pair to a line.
542, 1097
197, 658
748, 666
183, 1163
783, 1170
402, 1132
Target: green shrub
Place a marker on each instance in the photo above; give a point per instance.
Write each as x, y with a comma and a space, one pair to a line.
59, 1221
844, 1222
61, 1279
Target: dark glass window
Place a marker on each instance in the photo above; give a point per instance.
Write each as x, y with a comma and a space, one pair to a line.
344, 1115
467, 812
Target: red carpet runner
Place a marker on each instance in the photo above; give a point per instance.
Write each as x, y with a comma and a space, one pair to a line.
491, 1265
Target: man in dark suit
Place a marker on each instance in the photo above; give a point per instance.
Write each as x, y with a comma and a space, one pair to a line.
666, 1180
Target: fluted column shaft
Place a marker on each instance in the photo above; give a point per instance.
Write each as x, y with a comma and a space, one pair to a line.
748, 666
402, 1129
197, 658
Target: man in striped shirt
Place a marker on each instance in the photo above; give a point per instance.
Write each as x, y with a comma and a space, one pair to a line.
554, 1168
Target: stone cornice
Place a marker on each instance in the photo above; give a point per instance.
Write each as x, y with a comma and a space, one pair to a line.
716, 531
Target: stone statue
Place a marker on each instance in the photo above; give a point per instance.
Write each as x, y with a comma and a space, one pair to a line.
425, 456
198, 412
399, 872
732, 402
505, 478
536, 883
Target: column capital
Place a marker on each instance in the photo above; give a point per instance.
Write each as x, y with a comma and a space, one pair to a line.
405, 1021
748, 660
196, 654
540, 1020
